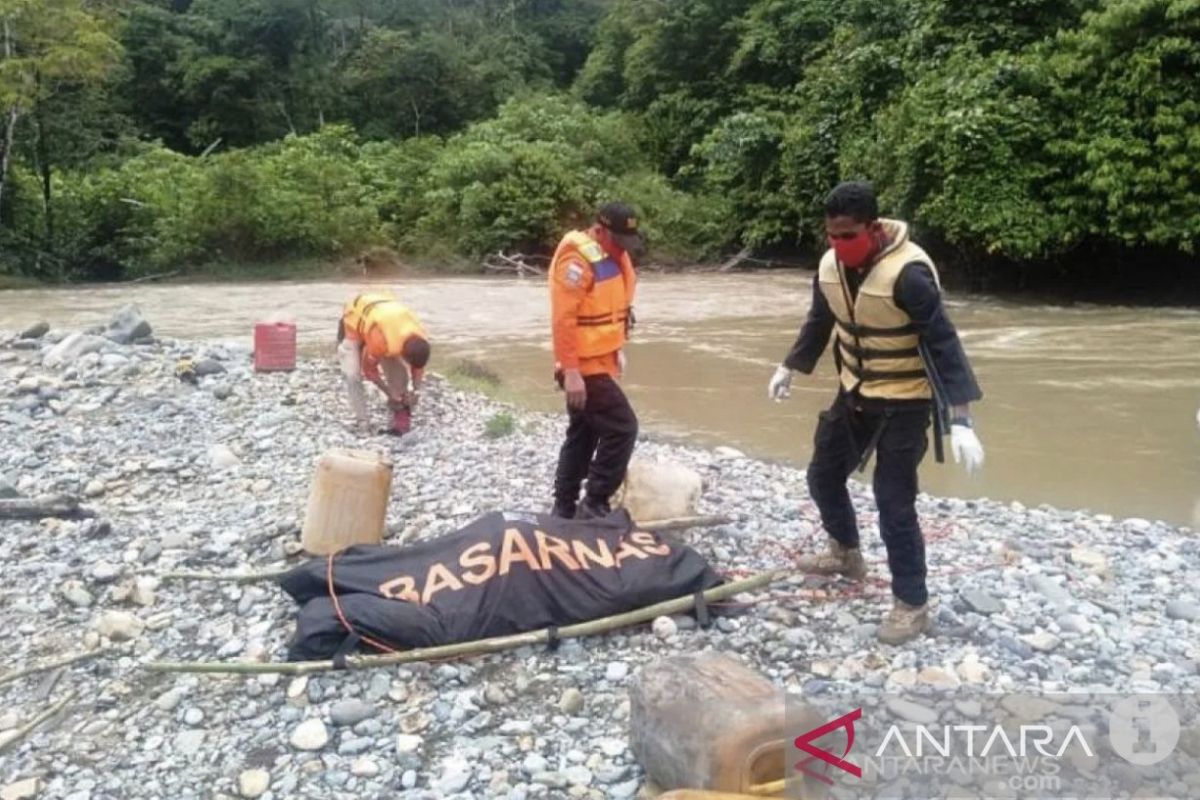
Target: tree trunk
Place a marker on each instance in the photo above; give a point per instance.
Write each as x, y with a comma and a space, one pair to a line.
10, 124
42, 154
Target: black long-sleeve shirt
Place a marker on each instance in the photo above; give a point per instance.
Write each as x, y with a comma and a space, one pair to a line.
916, 294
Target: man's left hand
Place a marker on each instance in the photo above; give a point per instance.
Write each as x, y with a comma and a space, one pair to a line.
966, 447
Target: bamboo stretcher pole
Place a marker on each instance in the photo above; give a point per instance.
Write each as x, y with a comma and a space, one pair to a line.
50, 664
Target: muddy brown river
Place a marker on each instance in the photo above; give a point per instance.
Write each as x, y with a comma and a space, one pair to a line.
1085, 406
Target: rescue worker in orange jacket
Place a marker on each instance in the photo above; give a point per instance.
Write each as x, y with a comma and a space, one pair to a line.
592, 282
382, 340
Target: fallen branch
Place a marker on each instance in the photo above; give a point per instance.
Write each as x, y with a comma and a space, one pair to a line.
499, 262
158, 276
54, 663
51, 505
480, 647
29, 727
654, 526
741, 256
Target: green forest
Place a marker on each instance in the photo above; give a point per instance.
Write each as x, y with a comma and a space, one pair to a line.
140, 136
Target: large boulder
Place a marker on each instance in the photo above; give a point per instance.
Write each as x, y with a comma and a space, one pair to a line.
655, 490
71, 349
35, 331
128, 325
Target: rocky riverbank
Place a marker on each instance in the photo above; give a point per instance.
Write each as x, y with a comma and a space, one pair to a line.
213, 475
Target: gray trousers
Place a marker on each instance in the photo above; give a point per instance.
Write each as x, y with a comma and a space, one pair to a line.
393, 370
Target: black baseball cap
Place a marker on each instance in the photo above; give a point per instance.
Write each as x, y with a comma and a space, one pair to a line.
622, 223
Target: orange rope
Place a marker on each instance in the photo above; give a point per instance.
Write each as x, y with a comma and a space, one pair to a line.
337, 607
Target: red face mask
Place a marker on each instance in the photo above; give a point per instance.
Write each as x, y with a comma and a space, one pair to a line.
853, 252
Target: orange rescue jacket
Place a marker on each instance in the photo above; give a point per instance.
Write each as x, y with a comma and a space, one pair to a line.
383, 324
591, 293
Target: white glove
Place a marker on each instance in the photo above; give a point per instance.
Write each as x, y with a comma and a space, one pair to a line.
967, 448
622, 362
780, 385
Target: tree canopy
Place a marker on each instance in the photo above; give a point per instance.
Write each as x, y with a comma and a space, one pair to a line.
160, 133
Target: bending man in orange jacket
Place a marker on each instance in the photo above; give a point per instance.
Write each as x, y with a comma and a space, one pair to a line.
592, 282
379, 334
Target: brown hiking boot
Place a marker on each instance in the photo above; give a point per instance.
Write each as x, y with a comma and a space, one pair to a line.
903, 623
836, 560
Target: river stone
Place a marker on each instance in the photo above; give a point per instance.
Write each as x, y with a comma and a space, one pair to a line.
119, 626
253, 782
127, 325
170, 699
310, 735
208, 366
35, 331
189, 742
616, 671
624, 791
938, 678
1050, 589
7, 489
1089, 559
912, 711
105, 572
75, 594
71, 349
456, 775
408, 743
221, 457
1042, 641
534, 763
364, 768
1182, 609
22, 789
578, 775
981, 602
571, 702
351, 712
664, 627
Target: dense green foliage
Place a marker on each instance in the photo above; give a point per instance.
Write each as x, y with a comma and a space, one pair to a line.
147, 135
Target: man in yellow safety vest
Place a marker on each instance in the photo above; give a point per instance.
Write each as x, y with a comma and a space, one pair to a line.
898, 356
382, 340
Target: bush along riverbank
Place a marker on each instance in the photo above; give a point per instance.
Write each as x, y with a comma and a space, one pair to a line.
214, 475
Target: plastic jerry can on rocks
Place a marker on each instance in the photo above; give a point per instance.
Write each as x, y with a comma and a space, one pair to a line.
347, 502
274, 346
707, 721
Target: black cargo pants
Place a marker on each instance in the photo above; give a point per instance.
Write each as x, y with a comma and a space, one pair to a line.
845, 434
600, 441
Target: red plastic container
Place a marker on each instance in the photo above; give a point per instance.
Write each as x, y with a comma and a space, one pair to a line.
274, 346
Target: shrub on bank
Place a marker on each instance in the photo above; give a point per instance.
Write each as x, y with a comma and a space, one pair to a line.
515, 182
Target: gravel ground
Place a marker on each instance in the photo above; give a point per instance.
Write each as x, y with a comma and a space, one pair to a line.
215, 476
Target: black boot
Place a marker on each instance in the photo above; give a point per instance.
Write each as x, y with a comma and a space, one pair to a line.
593, 508
563, 510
